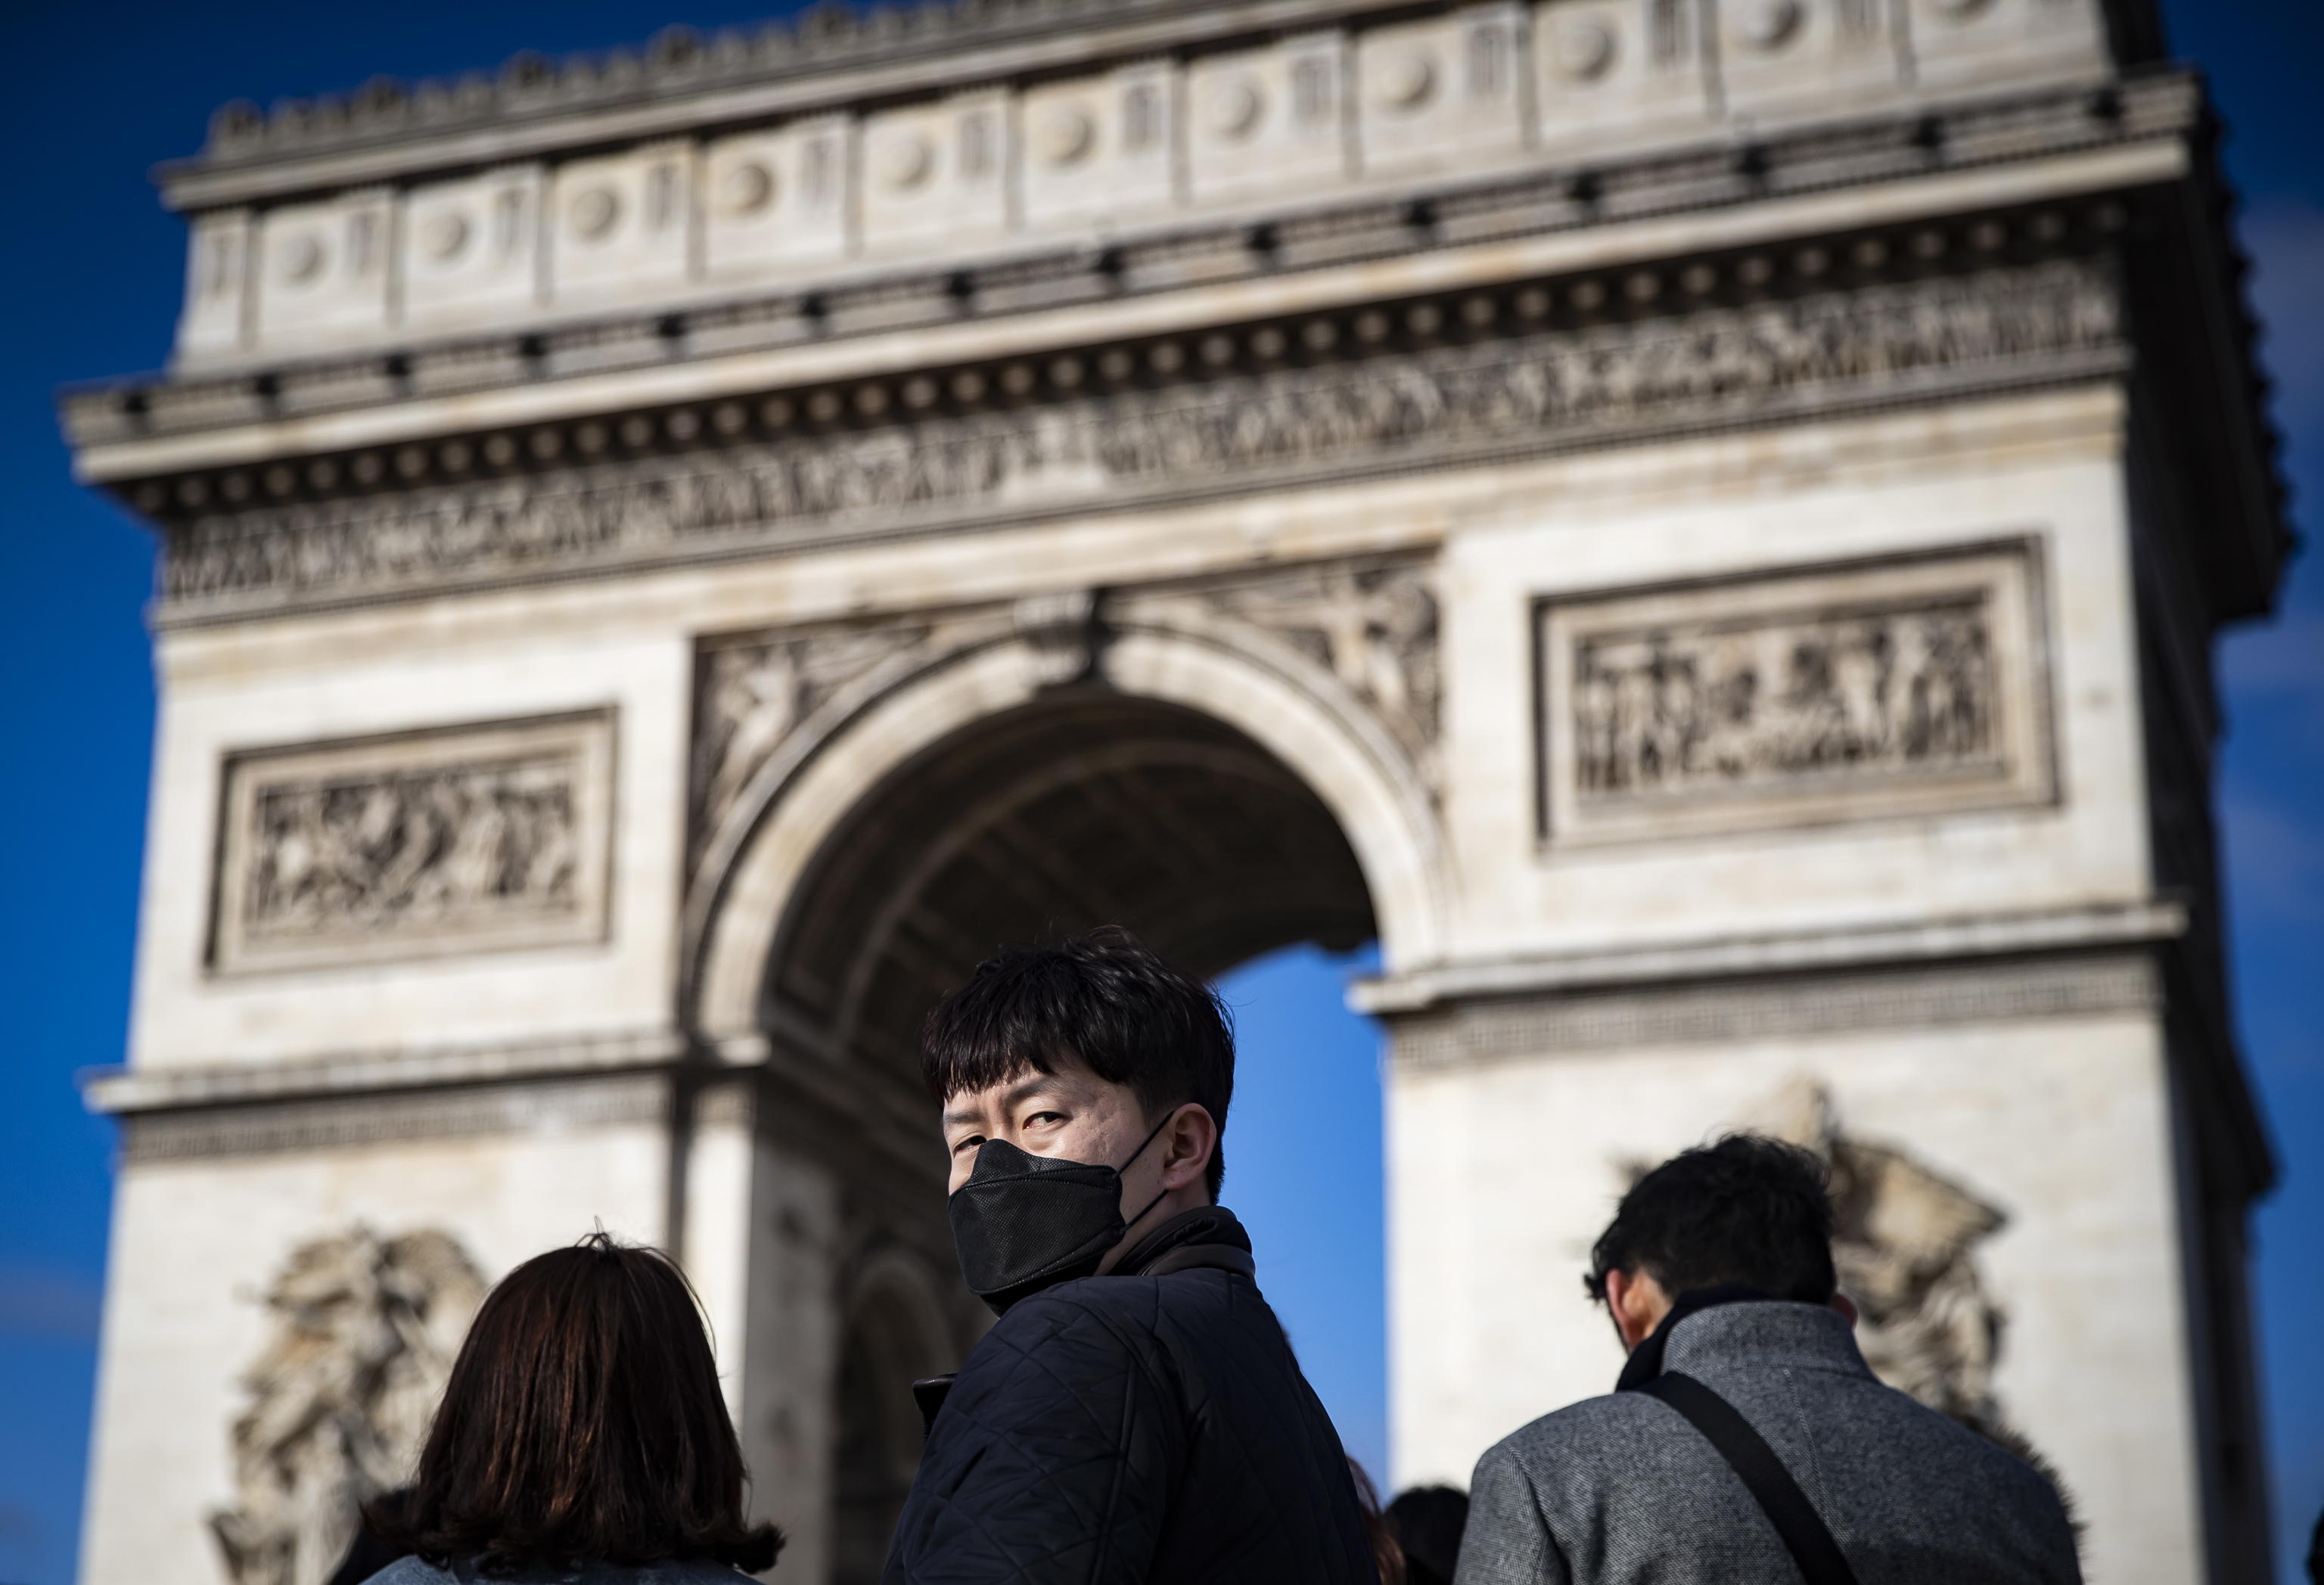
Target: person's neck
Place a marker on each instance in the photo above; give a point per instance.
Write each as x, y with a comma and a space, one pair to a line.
1177, 1202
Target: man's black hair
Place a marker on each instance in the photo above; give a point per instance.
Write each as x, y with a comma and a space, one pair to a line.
1102, 1000
1428, 1522
1747, 1208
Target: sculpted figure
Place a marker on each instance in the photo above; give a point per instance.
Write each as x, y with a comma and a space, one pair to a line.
1902, 1239
364, 1332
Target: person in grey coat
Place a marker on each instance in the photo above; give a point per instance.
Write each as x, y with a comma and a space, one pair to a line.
1746, 1440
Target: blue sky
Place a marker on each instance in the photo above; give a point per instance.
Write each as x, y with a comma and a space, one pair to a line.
90, 273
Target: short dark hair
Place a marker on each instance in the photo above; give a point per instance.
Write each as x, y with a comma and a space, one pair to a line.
1428, 1522
1102, 1000
1747, 1208
582, 1422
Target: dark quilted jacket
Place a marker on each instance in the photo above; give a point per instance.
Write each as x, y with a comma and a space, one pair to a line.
1126, 1428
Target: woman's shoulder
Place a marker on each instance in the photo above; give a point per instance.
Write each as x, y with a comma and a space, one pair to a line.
412, 1571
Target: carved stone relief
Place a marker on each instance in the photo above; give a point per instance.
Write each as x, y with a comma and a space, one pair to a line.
1910, 685
487, 836
1339, 419
754, 691
1372, 626
364, 1332
1904, 1239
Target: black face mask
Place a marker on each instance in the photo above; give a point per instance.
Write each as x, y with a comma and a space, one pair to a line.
1023, 1223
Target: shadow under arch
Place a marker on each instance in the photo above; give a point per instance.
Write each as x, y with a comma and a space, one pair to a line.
1085, 807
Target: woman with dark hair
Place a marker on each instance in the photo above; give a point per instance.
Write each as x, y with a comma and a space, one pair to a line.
582, 1436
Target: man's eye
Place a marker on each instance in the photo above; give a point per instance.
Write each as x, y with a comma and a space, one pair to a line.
1045, 1117
971, 1143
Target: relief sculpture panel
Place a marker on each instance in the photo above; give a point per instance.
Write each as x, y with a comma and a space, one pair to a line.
487, 836
1448, 406
1908, 686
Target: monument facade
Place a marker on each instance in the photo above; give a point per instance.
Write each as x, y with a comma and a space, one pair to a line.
1697, 523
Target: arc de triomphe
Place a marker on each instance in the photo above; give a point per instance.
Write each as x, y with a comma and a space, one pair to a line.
1699, 523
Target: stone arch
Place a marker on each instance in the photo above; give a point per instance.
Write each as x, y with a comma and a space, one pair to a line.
1153, 681
1212, 769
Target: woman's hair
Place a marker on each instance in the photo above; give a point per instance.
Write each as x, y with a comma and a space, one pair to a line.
582, 1421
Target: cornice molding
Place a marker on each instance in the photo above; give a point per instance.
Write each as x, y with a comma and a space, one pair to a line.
342, 1122
1804, 1005
833, 55
836, 56
2067, 930
125, 1090
2153, 114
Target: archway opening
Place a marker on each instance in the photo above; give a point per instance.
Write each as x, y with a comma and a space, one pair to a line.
1084, 807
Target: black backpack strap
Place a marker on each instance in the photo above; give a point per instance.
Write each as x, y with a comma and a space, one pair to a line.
1804, 1532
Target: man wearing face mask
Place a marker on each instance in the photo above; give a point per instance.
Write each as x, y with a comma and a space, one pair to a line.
1136, 1414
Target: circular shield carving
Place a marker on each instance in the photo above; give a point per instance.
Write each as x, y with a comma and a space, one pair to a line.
1408, 80
1585, 50
905, 161
1065, 136
445, 236
1233, 107
302, 258
594, 212
747, 188
1770, 24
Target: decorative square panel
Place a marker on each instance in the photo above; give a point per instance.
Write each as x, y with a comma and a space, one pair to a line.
1902, 687
620, 225
1631, 72
472, 247
1442, 93
775, 198
936, 175
1102, 146
321, 276
1264, 123
472, 838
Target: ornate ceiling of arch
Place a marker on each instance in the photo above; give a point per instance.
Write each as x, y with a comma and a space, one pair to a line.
1087, 809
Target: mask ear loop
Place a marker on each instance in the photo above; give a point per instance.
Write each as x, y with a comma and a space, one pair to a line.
1134, 1155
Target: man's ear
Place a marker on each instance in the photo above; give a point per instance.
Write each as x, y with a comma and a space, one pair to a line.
1189, 1140
1637, 1304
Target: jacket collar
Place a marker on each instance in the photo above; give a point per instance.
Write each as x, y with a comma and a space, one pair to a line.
1209, 1236
1734, 1324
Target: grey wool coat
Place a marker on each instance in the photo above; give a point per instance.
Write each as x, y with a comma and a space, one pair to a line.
1623, 1490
